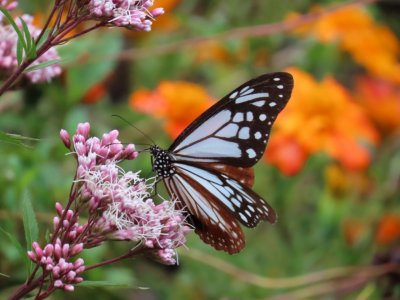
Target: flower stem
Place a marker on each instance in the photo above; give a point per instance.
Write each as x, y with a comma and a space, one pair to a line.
138, 250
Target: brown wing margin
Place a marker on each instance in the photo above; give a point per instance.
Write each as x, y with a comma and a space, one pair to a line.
220, 229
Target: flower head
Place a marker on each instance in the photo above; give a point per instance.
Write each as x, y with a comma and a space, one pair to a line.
136, 14
55, 259
119, 201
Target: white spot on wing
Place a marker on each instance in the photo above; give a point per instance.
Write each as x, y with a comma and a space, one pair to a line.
250, 97
277, 79
251, 153
212, 147
228, 131
233, 95
239, 117
280, 86
263, 117
243, 93
258, 103
244, 133
257, 135
205, 129
249, 116
272, 104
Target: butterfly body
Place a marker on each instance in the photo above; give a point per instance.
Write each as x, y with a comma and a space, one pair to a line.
208, 169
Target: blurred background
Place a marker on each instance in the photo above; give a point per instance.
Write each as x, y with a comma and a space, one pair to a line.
331, 170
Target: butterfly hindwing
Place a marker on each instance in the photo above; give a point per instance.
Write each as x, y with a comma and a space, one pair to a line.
236, 129
211, 222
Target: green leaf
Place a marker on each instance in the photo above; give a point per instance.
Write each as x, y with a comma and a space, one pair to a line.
15, 139
20, 52
30, 224
107, 284
30, 49
14, 25
43, 65
15, 242
19, 248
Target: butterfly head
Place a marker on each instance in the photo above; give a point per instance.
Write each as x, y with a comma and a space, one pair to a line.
162, 162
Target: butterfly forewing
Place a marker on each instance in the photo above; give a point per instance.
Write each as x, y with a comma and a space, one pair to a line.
236, 129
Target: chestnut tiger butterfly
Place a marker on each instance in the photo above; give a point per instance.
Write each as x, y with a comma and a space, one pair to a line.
208, 168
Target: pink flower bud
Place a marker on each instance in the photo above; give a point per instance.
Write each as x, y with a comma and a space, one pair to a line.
58, 283
69, 214
56, 222
48, 250
57, 251
56, 271
32, 256
65, 250
79, 262
71, 275
83, 129
59, 208
69, 288
76, 249
65, 138
38, 250
65, 224
157, 12
78, 279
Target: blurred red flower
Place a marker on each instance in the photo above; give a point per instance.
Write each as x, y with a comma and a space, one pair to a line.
178, 103
388, 229
381, 100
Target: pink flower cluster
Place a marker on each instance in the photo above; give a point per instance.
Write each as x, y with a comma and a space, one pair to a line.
93, 152
8, 52
134, 14
69, 224
54, 259
121, 200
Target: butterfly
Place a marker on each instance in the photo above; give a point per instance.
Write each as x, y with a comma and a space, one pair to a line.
208, 168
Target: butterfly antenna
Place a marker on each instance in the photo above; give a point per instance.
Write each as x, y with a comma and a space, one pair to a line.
129, 123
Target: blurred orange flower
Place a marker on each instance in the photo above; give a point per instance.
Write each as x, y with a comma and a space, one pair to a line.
388, 229
353, 231
95, 93
381, 100
178, 103
216, 51
320, 117
372, 45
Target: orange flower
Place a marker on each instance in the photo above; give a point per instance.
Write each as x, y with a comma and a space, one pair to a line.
322, 117
381, 101
388, 229
95, 93
371, 45
178, 103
